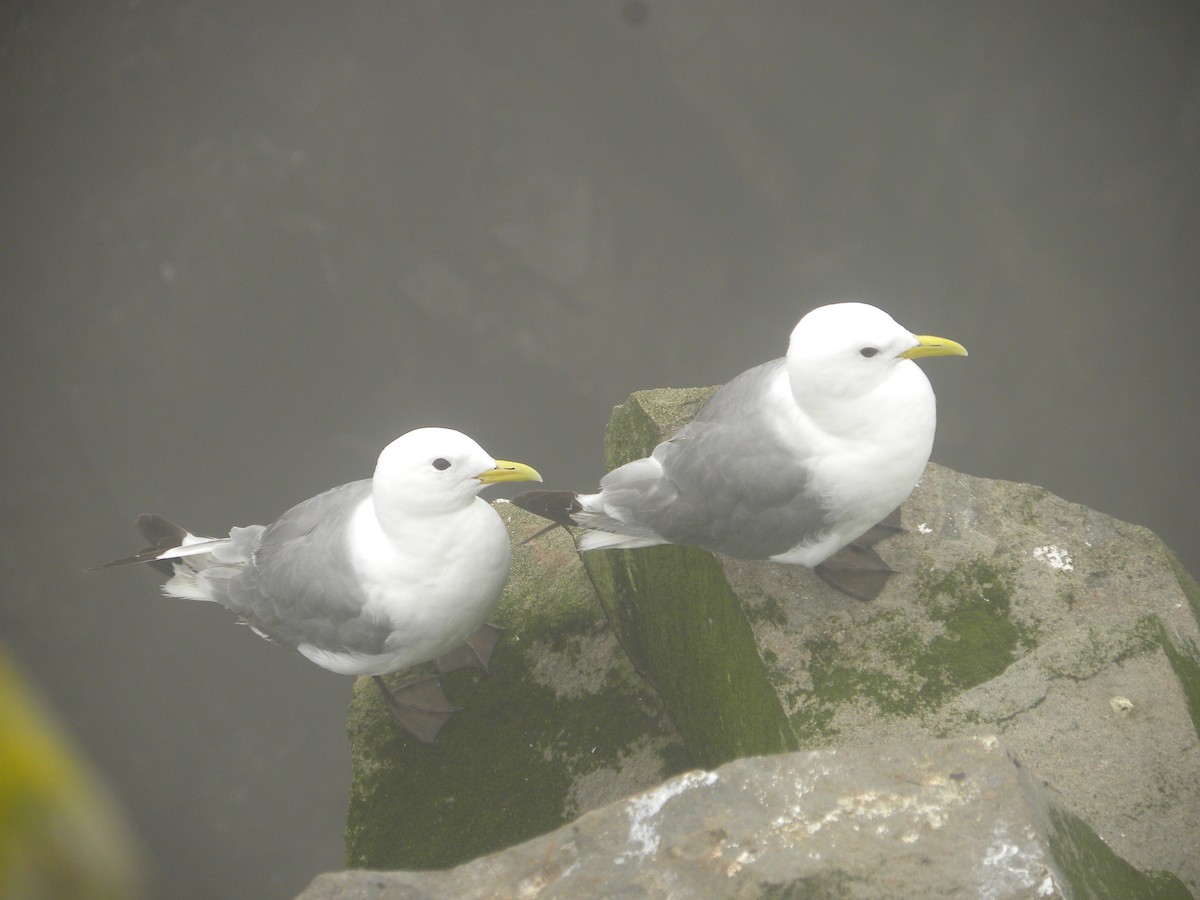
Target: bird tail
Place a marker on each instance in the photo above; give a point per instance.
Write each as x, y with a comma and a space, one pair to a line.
163, 536
183, 556
611, 540
200, 568
569, 508
557, 506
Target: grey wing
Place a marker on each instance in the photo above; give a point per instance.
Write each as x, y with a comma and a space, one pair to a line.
729, 484
300, 586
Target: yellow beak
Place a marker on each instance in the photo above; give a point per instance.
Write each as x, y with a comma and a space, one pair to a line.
509, 471
934, 346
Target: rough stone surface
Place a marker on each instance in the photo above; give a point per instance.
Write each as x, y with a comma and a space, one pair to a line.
951, 819
1065, 631
561, 725
1071, 635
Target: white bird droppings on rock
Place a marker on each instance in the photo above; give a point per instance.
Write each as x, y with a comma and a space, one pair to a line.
1058, 557
642, 809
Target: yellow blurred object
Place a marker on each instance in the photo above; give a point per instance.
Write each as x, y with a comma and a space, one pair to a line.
60, 832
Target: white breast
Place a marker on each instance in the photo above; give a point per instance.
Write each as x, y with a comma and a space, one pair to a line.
435, 585
871, 466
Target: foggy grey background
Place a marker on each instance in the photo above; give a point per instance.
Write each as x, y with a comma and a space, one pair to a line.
245, 245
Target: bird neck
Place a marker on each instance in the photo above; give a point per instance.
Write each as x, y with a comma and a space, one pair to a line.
405, 518
853, 409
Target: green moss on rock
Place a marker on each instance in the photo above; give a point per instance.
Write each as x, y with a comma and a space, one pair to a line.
647, 418
686, 633
499, 773
561, 703
980, 636
900, 664
761, 608
1024, 505
1187, 584
1094, 872
555, 597
835, 683
564, 711
677, 618
1184, 657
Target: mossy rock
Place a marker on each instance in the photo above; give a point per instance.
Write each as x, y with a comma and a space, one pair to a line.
923, 818
560, 725
677, 618
1070, 634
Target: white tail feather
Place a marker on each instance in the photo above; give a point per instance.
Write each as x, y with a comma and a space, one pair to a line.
606, 540
194, 546
188, 583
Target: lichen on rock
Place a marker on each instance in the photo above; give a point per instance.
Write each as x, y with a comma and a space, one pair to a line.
1088, 672
560, 725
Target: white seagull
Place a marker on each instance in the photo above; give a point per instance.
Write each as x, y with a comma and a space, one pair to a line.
368, 578
791, 461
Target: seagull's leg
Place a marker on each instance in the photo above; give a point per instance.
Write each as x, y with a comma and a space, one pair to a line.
419, 705
477, 651
857, 571
885, 529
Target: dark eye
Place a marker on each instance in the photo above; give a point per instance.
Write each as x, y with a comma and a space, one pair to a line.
868, 352
441, 464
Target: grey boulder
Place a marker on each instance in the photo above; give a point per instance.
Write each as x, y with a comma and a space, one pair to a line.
955, 818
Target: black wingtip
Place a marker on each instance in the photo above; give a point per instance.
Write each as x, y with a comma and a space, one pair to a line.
557, 506
156, 530
162, 534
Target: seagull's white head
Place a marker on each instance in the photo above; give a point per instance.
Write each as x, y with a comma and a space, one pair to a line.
431, 471
846, 350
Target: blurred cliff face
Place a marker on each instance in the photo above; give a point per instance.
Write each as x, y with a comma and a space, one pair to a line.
244, 248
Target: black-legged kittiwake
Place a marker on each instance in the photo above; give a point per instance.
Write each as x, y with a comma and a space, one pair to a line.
791, 461
371, 577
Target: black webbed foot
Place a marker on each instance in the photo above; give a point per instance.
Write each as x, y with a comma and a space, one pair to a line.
419, 705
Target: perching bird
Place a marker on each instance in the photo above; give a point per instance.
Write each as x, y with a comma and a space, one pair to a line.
790, 461
368, 578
